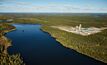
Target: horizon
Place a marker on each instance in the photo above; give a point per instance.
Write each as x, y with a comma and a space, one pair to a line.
56, 6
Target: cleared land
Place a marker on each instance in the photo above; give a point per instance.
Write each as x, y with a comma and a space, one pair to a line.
80, 30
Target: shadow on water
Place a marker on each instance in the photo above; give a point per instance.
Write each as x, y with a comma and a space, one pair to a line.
39, 48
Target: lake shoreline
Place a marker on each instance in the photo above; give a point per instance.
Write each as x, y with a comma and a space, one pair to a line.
8, 43
67, 47
70, 47
5, 43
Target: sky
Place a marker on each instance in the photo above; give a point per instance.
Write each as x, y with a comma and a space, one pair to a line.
54, 6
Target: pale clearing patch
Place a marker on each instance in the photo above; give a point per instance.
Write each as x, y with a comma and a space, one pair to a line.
80, 30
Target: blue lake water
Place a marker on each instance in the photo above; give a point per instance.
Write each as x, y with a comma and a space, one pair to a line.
39, 48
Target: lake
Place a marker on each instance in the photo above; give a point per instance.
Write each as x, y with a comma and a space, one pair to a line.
39, 48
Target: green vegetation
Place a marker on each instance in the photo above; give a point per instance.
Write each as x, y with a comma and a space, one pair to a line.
5, 58
94, 45
1, 28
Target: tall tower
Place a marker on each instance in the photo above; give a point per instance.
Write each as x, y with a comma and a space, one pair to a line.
80, 27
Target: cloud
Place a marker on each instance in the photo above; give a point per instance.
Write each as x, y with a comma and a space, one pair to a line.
104, 9
23, 3
14, 2
7, 0
29, 7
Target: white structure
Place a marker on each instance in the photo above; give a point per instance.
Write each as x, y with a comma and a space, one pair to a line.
80, 30
10, 20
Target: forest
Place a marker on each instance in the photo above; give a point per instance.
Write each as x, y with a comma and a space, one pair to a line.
94, 45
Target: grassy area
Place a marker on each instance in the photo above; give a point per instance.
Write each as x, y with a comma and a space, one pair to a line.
94, 45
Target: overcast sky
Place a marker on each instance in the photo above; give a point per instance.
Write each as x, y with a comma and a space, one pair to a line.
60, 6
